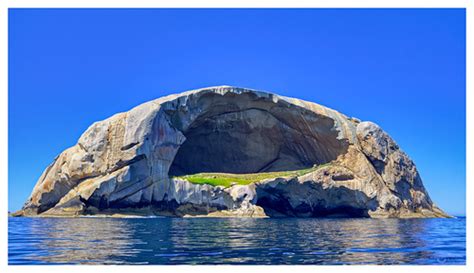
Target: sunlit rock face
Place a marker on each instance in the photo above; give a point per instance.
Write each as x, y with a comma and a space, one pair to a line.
127, 162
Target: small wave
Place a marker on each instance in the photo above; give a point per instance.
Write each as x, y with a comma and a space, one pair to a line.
171, 254
212, 253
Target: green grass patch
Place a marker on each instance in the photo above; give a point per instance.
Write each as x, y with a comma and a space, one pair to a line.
227, 179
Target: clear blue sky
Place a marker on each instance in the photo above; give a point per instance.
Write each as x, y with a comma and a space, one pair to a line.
403, 69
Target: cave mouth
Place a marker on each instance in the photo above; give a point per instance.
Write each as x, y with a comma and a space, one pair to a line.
251, 141
280, 207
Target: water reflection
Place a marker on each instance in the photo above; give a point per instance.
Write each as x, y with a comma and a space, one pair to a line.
236, 241
77, 240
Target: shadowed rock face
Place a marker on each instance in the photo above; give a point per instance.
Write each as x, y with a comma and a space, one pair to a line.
127, 162
244, 135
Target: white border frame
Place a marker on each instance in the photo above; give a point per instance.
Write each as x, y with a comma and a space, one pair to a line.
5, 4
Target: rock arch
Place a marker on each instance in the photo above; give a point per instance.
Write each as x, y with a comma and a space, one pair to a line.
241, 133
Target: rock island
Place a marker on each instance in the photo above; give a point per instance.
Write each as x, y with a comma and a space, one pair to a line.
232, 152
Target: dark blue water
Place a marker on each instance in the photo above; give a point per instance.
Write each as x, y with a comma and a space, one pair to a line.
236, 241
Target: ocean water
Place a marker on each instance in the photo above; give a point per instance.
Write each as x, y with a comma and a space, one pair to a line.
164, 241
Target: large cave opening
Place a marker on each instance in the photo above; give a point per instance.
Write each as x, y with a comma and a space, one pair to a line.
255, 140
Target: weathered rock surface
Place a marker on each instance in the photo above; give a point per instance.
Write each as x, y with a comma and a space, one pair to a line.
125, 164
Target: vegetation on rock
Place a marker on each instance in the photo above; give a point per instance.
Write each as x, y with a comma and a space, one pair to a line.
229, 179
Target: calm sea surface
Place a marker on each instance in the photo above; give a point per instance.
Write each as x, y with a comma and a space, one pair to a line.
235, 241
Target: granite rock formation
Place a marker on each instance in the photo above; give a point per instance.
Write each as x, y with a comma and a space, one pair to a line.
127, 163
